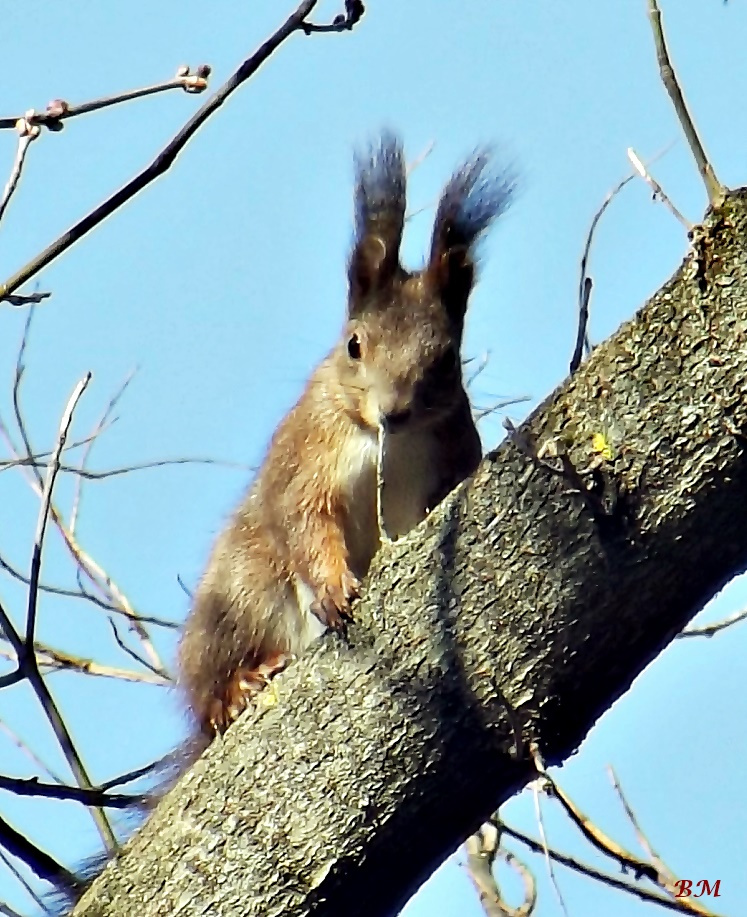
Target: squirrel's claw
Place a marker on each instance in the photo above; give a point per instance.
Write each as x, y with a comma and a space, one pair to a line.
332, 605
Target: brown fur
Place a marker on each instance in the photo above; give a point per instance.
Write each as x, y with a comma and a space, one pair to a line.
293, 556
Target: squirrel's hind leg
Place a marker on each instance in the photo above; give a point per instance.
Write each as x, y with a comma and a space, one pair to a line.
243, 686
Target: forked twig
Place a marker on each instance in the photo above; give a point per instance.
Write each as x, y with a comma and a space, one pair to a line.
483, 849
645, 894
27, 664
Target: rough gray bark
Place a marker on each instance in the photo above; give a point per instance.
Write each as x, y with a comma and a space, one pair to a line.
518, 612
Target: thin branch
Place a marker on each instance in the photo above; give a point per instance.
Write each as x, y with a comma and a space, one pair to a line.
58, 110
716, 191
86, 564
19, 300
130, 776
420, 158
354, 10
27, 133
481, 413
18, 376
81, 593
644, 894
585, 282
164, 160
582, 336
160, 673
46, 501
45, 866
52, 660
39, 458
113, 401
22, 880
708, 630
535, 786
483, 849
666, 878
29, 752
95, 796
89, 475
5, 909
26, 658
600, 840
658, 190
655, 871
101, 579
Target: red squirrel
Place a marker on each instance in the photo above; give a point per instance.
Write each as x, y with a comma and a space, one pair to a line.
292, 558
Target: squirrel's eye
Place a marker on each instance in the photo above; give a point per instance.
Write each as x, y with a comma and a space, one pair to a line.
354, 347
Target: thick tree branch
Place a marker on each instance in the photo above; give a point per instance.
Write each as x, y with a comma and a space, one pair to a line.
518, 612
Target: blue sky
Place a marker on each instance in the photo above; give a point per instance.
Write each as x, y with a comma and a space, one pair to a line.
224, 283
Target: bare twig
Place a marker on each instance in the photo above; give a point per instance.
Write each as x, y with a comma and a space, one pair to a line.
29, 752
657, 189
113, 401
17, 379
665, 877
45, 866
716, 191
91, 475
481, 413
86, 564
420, 158
16, 299
22, 880
637, 891
46, 500
585, 283
27, 132
81, 593
163, 161
536, 785
130, 776
600, 840
58, 110
655, 871
582, 336
95, 796
354, 10
52, 660
39, 458
708, 630
161, 674
483, 849
27, 664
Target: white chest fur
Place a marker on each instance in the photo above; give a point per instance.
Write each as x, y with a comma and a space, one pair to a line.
408, 480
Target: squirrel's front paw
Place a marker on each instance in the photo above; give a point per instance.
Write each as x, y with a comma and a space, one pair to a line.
332, 604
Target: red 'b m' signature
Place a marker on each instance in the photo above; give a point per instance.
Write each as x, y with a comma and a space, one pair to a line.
685, 888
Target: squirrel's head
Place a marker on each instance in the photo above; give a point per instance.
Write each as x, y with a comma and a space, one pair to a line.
399, 358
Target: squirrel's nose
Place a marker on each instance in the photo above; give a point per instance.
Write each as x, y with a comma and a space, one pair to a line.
395, 420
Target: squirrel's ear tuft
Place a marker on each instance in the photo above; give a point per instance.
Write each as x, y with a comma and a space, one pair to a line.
471, 200
380, 192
